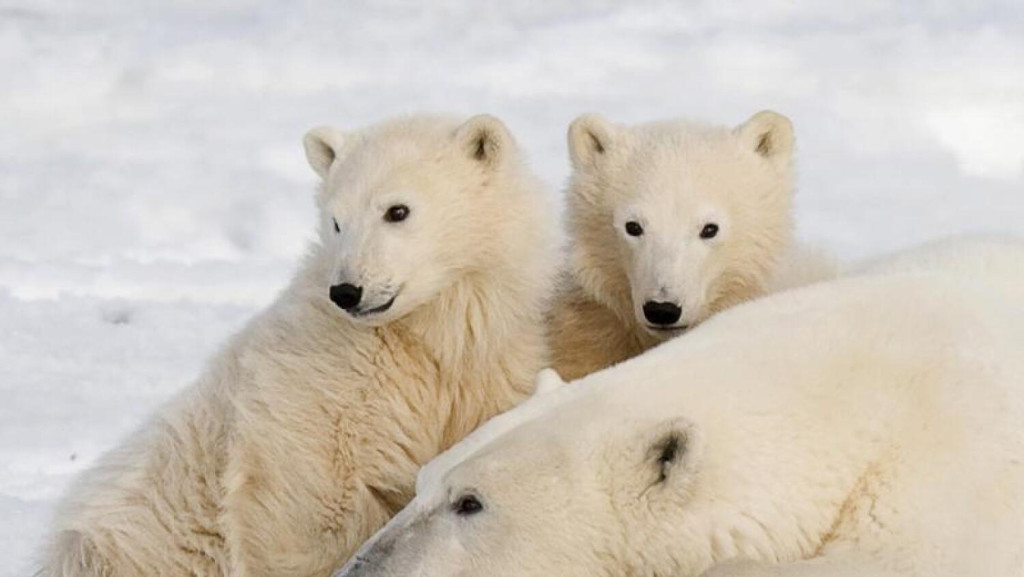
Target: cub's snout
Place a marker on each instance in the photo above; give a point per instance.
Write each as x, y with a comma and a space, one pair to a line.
662, 314
346, 295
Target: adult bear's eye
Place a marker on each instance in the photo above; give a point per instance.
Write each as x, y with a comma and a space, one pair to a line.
336, 227
397, 213
710, 230
467, 505
633, 228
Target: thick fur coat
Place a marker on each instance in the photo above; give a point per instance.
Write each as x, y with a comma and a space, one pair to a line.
674, 215
306, 431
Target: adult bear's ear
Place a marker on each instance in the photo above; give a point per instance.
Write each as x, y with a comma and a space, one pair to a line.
590, 137
323, 146
547, 381
672, 452
485, 139
768, 134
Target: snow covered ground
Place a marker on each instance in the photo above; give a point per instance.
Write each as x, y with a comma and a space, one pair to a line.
153, 191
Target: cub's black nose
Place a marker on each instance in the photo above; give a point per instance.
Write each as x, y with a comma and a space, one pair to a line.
346, 295
663, 314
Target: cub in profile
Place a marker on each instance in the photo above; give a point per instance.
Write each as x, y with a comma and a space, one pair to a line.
418, 314
669, 223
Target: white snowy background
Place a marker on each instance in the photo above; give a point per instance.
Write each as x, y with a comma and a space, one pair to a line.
154, 194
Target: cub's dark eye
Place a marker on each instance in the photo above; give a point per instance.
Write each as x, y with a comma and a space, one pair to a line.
710, 230
467, 505
336, 227
633, 228
397, 213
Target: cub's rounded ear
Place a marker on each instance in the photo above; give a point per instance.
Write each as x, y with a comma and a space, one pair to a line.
590, 137
769, 134
672, 453
323, 146
547, 381
485, 139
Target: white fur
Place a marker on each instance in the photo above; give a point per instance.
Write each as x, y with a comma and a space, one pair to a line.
867, 426
306, 431
547, 380
671, 179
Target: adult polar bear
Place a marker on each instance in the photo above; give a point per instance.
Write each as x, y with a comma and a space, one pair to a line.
306, 432
868, 426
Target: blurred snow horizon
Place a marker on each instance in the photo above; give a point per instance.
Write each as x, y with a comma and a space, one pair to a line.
154, 193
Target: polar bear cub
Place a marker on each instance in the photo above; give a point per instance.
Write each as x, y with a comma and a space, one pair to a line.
669, 223
418, 314
866, 426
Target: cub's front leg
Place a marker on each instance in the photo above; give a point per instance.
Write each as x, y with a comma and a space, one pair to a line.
292, 508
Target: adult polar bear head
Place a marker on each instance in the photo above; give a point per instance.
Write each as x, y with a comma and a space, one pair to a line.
408, 208
675, 221
475, 513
